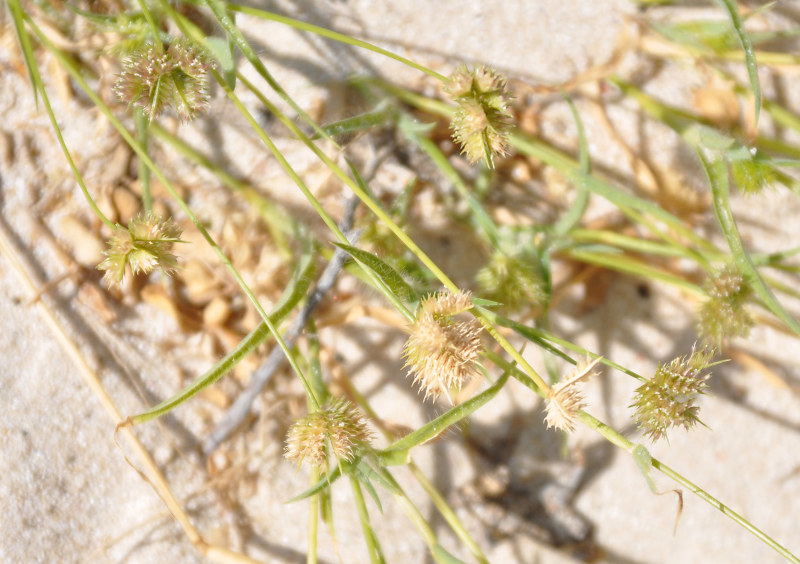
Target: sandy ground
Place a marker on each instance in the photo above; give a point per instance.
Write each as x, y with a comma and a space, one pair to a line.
68, 495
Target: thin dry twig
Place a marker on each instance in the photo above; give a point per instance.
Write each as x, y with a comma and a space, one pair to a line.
240, 409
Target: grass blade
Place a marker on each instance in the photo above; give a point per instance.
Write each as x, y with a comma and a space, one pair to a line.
397, 453
291, 296
717, 172
737, 22
385, 273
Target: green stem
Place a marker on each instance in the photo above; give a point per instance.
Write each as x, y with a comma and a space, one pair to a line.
479, 213
720, 190
373, 547
148, 15
326, 218
447, 512
615, 438
369, 202
142, 126
142, 154
223, 18
321, 31
276, 221
313, 522
36, 79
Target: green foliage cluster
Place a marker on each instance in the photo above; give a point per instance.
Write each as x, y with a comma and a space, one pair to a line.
163, 71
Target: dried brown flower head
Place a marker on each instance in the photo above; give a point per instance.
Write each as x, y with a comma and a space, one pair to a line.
565, 399
335, 428
442, 353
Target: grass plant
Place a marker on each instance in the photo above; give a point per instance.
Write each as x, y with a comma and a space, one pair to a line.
466, 339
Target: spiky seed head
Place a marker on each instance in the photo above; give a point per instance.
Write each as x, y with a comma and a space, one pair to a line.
752, 175
565, 399
336, 428
145, 245
481, 120
723, 316
513, 281
446, 304
440, 352
668, 399
154, 79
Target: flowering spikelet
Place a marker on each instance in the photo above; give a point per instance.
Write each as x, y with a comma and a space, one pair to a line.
668, 399
154, 79
442, 353
513, 281
565, 399
480, 123
752, 175
723, 316
335, 428
144, 245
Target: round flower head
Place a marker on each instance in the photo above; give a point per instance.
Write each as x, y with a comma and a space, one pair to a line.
480, 123
145, 245
668, 399
335, 428
154, 79
442, 353
723, 316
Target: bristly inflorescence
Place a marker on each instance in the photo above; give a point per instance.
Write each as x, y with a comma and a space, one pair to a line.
668, 399
154, 78
145, 245
335, 428
723, 315
481, 120
565, 399
513, 275
440, 352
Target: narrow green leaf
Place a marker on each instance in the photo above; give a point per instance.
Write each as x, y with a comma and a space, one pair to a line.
291, 296
482, 302
222, 50
373, 545
547, 341
443, 557
532, 334
645, 462
365, 481
424, 142
355, 124
26, 47
750, 58
323, 32
372, 470
38, 87
327, 480
629, 265
387, 275
326, 509
704, 34
535, 147
573, 215
398, 451
223, 16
